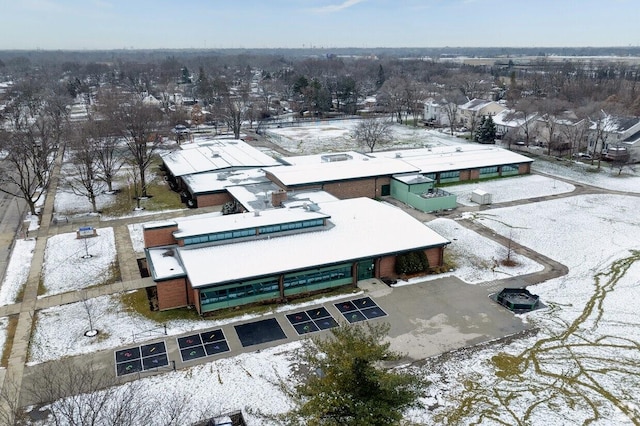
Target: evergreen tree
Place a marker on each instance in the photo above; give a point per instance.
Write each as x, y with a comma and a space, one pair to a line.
346, 384
381, 77
486, 131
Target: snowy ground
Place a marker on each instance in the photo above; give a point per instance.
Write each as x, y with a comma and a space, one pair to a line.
628, 180
117, 326
584, 363
511, 189
476, 256
73, 263
17, 270
137, 239
586, 350
336, 136
586, 347
67, 203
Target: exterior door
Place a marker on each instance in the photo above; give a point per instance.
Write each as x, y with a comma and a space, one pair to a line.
365, 269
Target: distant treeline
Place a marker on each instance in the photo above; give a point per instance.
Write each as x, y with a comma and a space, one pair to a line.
126, 55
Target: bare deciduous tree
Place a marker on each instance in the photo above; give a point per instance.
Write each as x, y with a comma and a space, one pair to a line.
139, 124
392, 97
373, 132
30, 153
85, 182
109, 158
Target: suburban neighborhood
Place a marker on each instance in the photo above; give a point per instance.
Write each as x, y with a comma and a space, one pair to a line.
273, 236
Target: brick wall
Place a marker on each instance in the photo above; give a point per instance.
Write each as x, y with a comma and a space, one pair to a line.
474, 174
356, 188
465, 175
217, 199
278, 197
155, 237
524, 169
435, 256
172, 293
386, 267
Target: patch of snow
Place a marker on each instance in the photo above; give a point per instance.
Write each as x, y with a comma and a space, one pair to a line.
511, 189
137, 237
628, 180
477, 258
67, 269
17, 270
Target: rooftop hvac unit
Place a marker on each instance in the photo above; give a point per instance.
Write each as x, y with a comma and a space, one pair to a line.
330, 158
398, 155
458, 149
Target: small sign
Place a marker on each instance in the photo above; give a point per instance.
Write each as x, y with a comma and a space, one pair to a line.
86, 231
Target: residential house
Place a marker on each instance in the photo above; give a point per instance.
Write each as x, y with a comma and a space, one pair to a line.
435, 112
618, 133
559, 131
516, 124
469, 114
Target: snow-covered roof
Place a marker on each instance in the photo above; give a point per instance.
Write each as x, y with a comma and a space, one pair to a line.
174, 222
359, 232
449, 158
255, 196
615, 124
258, 196
509, 118
165, 263
215, 155
207, 182
412, 179
209, 225
475, 104
301, 160
302, 198
355, 168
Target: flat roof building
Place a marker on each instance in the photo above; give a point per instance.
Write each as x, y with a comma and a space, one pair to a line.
218, 262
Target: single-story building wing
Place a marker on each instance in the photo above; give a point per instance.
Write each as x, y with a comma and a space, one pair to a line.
226, 261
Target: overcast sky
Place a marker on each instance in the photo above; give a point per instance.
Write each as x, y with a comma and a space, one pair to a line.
143, 24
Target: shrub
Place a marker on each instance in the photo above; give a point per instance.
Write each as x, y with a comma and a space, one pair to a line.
411, 262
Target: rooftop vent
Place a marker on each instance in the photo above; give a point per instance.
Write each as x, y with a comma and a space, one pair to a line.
311, 207
458, 149
330, 158
398, 155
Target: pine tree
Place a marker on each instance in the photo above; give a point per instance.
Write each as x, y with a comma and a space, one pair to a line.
345, 383
381, 77
486, 131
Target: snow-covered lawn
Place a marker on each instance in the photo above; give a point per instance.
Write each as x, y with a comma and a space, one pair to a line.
337, 136
511, 189
137, 237
117, 326
68, 203
67, 266
584, 363
584, 358
586, 349
4, 323
17, 270
475, 255
628, 180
